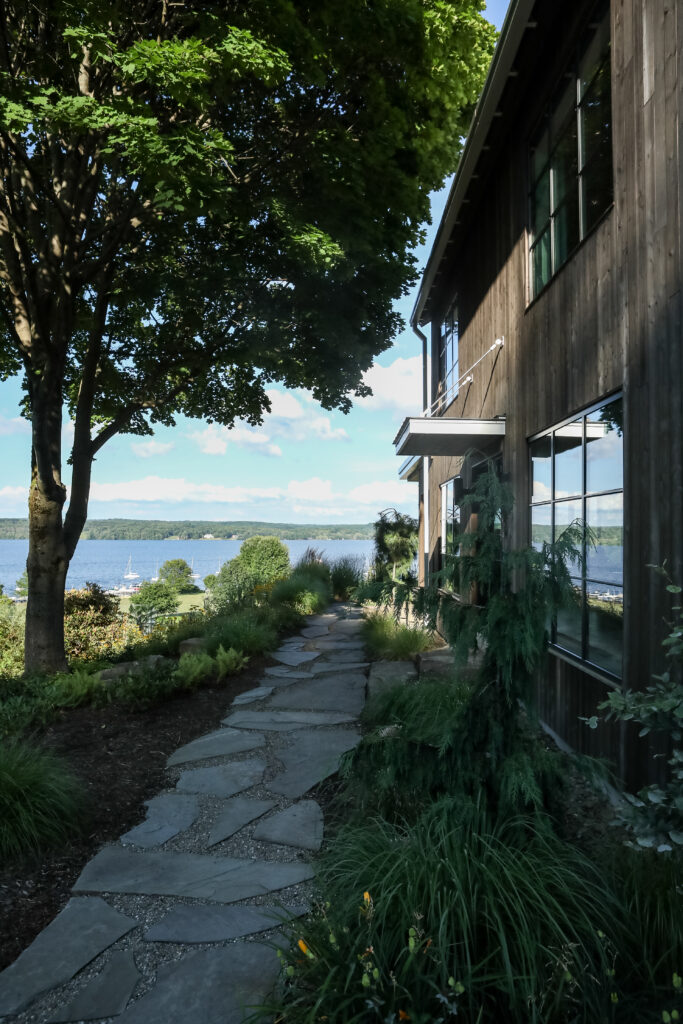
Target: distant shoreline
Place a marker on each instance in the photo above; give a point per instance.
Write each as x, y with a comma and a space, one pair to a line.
197, 529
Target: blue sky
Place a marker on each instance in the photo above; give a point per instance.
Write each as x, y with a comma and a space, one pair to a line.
303, 465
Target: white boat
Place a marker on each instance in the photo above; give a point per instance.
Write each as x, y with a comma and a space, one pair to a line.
155, 578
129, 574
193, 575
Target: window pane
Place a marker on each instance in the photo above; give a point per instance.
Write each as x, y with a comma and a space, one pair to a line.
597, 190
596, 47
596, 119
539, 154
540, 262
569, 618
564, 162
541, 465
605, 520
540, 205
541, 530
568, 513
605, 629
604, 448
566, 227
568, 460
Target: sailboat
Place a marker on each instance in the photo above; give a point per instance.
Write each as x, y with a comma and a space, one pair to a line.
155, 577
129, 574
193, 575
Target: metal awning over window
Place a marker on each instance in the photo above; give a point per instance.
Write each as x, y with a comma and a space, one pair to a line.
445, 436
410, 469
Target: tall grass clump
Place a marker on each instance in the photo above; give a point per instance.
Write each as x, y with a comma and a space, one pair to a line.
41, 802
346, 575
245, 630
492, 922
387, 639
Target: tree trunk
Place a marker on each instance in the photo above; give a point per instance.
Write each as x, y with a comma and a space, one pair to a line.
47, 566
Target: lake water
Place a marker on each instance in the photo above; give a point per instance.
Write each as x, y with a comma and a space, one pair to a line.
105, 561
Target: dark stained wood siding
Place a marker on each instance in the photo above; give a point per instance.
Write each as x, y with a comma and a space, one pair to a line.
609, 320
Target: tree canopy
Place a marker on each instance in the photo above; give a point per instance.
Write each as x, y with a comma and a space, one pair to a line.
200, 198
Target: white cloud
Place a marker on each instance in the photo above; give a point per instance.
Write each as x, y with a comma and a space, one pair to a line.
150, 449
13, 492
314, 489
284, 405
397, 386
384, 493
15, 425
214, 439
175, 491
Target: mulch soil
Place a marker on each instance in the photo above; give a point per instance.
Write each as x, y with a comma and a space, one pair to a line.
120, 756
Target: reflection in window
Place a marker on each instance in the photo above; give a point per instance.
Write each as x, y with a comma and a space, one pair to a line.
577, 474
571, 160
450, 527
448, 355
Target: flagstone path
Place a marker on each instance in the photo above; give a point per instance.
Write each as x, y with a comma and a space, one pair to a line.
178, 922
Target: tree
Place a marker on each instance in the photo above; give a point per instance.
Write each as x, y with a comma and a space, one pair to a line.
178, 575
200, 198
152, 599
21, 586
267, 558
233, 585
396, 544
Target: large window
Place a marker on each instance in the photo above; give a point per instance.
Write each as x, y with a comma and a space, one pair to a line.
451, 526
571, 160
577, 474
448, 355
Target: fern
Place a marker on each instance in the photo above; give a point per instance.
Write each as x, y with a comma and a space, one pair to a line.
230, 661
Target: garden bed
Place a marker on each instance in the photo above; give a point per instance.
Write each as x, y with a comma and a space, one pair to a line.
120, 755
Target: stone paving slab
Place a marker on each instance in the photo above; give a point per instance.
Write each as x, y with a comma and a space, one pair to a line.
326, 693
283, 672
311, 632
385, 674
310, 759
194, 923
322, 667
284, 721
300, 825
167, 815
340, 644
209, 986
295, 658
237, 813
337, 658
221, 743
258, 693
78, 934
222, 779
322, 620
195, 875
104, 996
348, 627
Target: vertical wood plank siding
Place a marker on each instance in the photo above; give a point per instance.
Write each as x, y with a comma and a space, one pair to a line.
609, 320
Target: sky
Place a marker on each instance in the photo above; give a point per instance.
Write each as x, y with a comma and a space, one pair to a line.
303, 465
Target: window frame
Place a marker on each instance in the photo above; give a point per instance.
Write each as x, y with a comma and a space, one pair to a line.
583, 496
449, 343
549, 138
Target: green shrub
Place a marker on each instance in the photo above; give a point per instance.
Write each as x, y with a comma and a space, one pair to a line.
246, 630
267, 558
229, 662
41, 802
346, 573
194, 668
11, 639
387, 639
151, 601
305, 591
93, 626
232, 587
71, 689
455, 916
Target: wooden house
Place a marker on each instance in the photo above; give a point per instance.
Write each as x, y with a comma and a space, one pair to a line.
550, 316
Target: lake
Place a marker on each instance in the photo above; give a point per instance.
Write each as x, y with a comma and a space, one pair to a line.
105, 561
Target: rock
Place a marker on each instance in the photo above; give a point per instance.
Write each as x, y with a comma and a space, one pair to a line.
284, 672
222, 779
104, 996
78, 934
124, 668
314, 631
294, 657
167, 815
300, 825
310, 759
385, 674
258, 693
193, 645
436, 663
209, 986
221, 743
195, 923
343, 692
237, 813
284, 721
193, 875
